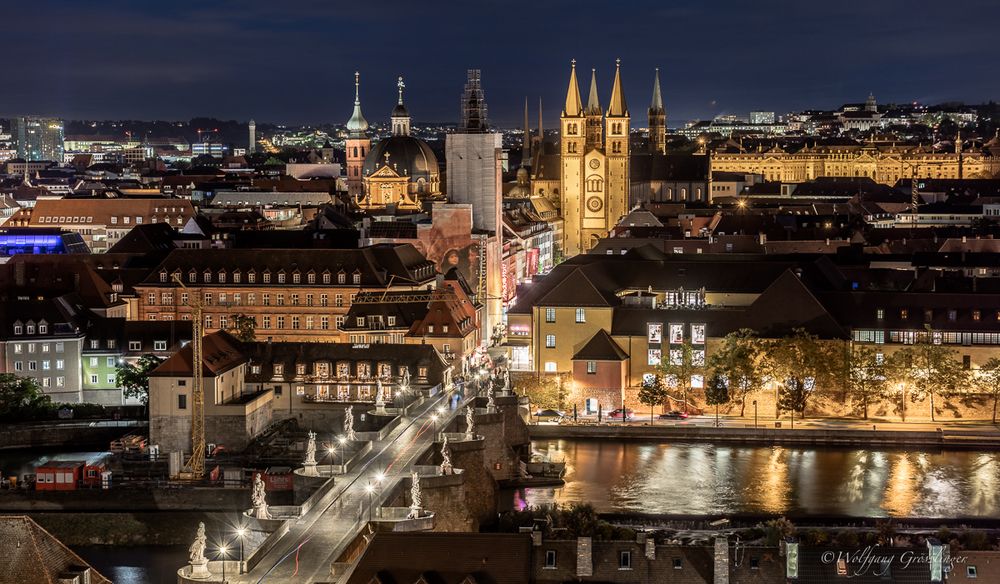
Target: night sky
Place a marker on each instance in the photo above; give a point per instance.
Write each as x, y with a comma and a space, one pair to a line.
292, 61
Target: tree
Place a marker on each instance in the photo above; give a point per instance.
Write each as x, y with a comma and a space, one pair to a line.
652, 393
243, 327
929, 367
988, 381
679, 365
740, 360
867, 376
802, 363
545, 393
20, 397
134, 379
717, 393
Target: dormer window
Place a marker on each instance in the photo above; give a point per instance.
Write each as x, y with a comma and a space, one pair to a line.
236, 277
251, 277
326, 277
281, 277
192, 276
391, 320
356, 278
311, 277
444, 329
267, 277
18, 329
163, 276
222, 277
341, 278
300, 369
296, 278
43, 329
207, 276
279, 369
30, 329
361, 321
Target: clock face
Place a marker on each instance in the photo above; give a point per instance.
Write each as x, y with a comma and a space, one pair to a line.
595, 163
595, 204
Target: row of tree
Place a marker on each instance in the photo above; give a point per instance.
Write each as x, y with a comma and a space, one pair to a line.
801, 365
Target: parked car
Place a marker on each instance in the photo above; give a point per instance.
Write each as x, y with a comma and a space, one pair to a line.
674, 415
620, 414
549, 416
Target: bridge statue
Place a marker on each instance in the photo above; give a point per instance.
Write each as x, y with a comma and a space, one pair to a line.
470, 424
404, 384
259, 499
349, 424
446, 468
491, 404
309, 465
506, 379
379, 395
414, 496
196, 555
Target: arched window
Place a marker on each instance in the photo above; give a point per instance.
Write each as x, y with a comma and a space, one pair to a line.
595, 184
355, 151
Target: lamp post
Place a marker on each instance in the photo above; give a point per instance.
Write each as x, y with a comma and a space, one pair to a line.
369, 489
241, 533
755, 414
223, 553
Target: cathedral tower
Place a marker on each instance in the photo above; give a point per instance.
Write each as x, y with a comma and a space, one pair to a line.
657, 120
400, 115
616, 148
357, 144
571, 149
594, 115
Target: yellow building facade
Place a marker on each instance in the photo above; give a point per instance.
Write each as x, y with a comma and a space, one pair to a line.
883, 163
594, 164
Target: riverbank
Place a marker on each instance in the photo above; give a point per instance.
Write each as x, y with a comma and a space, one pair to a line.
944, 438
77, 434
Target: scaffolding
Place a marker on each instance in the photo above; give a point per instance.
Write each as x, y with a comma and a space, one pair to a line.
473, 105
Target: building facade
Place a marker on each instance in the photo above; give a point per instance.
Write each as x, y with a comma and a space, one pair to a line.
38, 138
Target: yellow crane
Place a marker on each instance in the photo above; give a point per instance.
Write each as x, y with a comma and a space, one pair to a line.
195, 468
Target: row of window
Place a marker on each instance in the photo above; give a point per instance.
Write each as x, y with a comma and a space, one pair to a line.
251, 277
624, 560
904, 314
20, 348
112, 379
29, 329
60, 381
937, 337
322, 369
46, 364
237, 299
581, 315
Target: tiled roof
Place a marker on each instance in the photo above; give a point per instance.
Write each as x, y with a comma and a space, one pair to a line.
220, 352
601, 347
33, 556
104, 211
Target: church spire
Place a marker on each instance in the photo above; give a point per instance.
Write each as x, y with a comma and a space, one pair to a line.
400, 115
656, 106
526, 142
574, 105
357, 125
617, 107
593, 102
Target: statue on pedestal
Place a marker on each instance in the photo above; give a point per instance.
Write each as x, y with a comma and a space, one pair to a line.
491, 405
414, 496
309, 465
349, 424
259, 499
196, 556
470, 424
506, 379
446, 468
404, 384
379, 395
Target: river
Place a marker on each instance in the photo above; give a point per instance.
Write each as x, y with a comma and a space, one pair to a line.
712, 479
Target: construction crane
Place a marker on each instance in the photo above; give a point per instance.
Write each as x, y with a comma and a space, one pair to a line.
195, 468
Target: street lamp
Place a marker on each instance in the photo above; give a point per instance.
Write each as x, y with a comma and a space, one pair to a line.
223, 553
370, 490
332, 451
241, 533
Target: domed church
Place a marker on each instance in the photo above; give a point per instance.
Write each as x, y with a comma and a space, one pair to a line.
399, 170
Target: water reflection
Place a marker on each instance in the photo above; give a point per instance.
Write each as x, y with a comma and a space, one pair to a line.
680, 478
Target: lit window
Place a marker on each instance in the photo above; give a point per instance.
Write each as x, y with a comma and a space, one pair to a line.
581, 315
550, 315
591, 367
550, 366
550, 341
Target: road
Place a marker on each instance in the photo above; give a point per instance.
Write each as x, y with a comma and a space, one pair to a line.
306, 552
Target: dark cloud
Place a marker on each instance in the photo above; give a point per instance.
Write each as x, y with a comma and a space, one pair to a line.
292, 62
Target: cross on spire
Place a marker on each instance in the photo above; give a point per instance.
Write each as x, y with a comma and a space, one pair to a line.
400, 85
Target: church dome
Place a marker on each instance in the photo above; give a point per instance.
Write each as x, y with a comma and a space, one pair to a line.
408, 156
400, 111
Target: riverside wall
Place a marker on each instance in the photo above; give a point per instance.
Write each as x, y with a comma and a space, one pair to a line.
808, 437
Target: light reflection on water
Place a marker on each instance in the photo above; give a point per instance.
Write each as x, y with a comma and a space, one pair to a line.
700, 478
